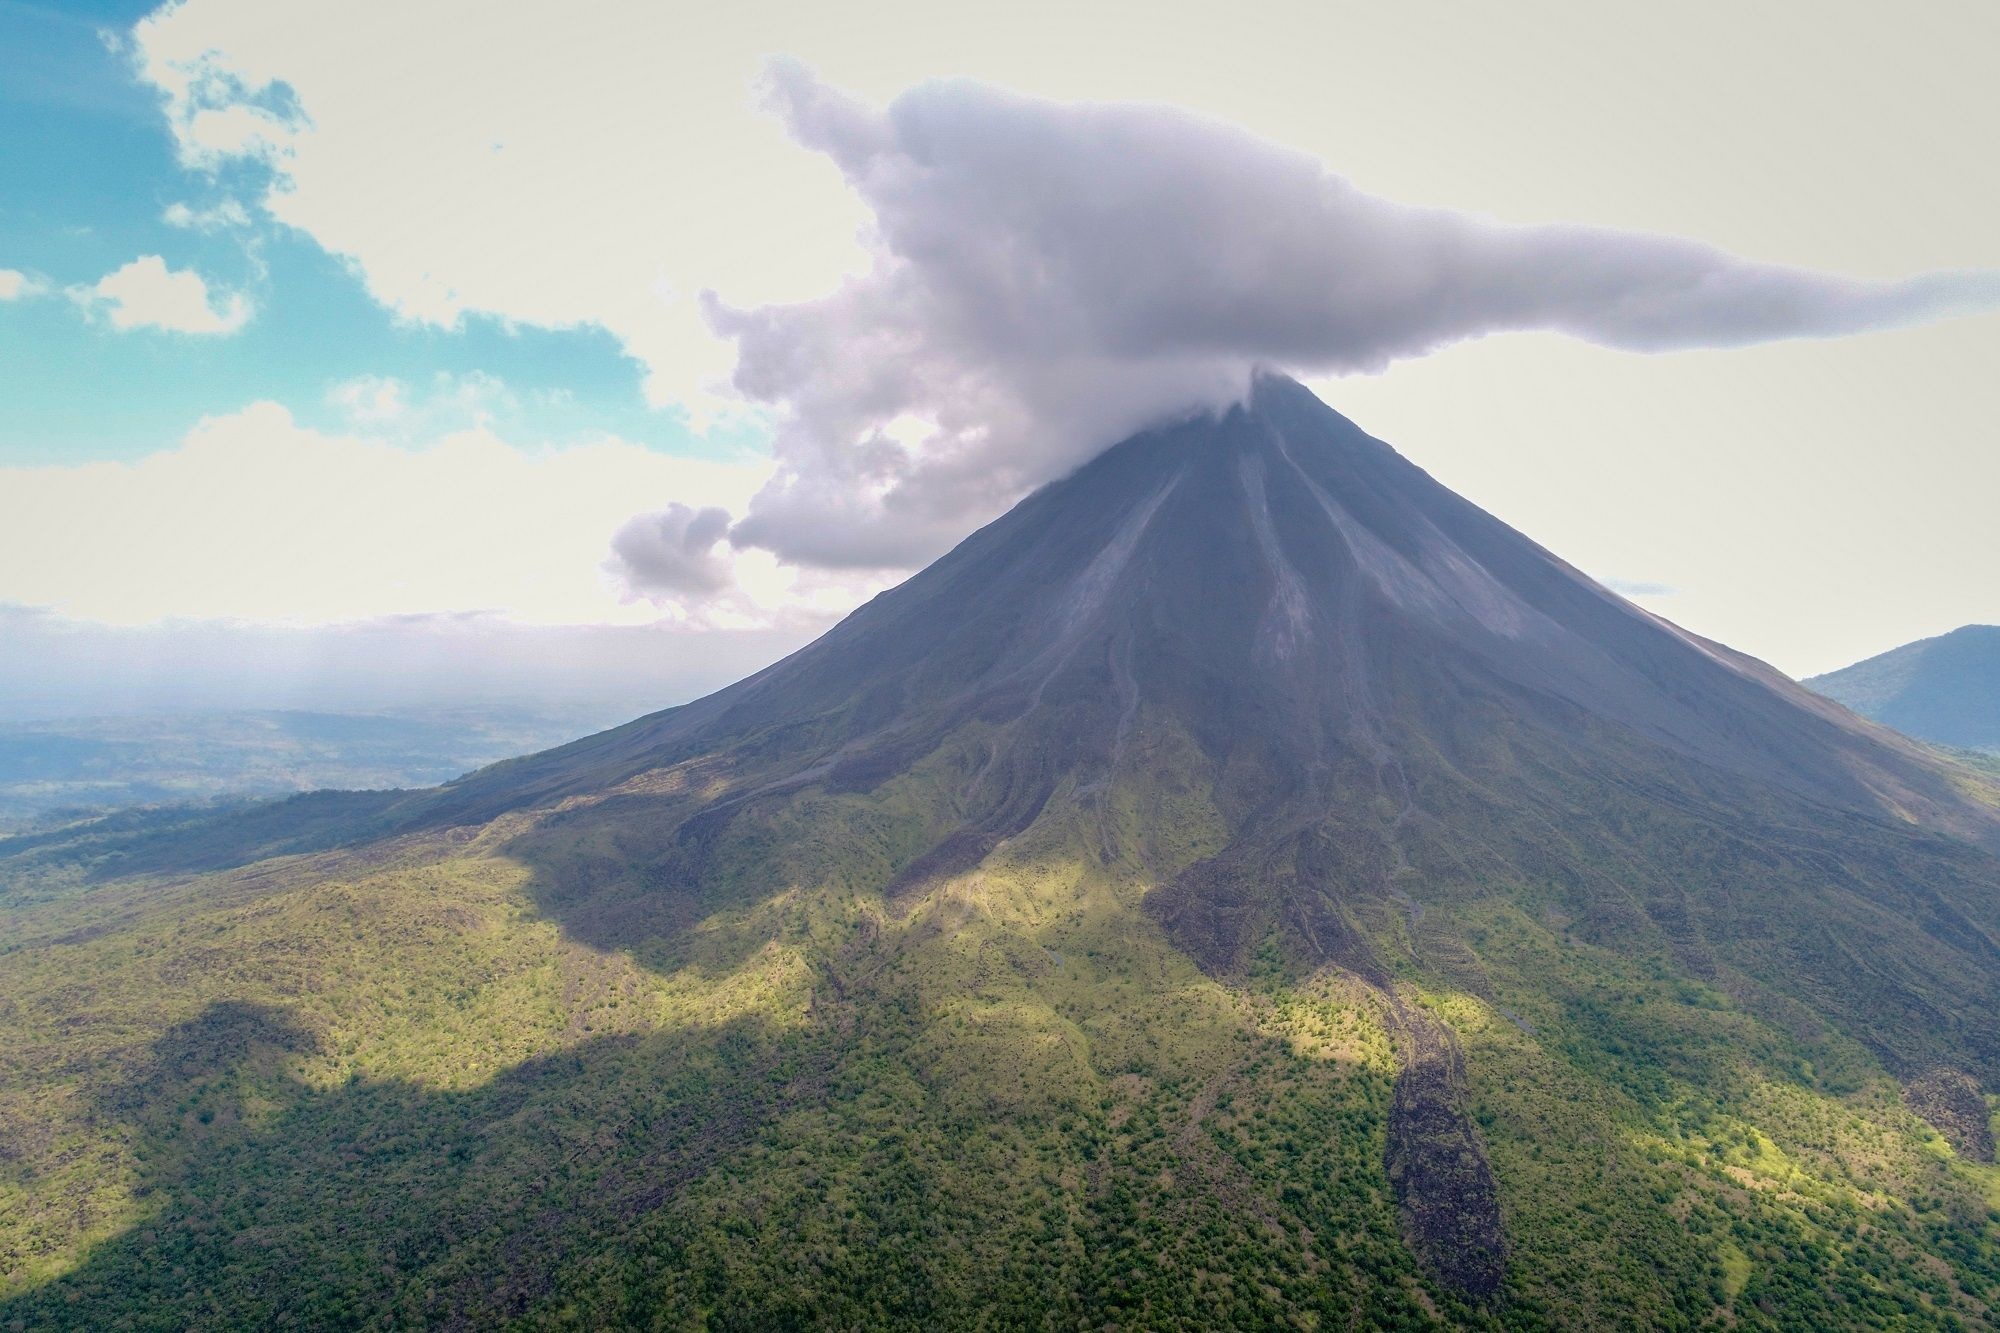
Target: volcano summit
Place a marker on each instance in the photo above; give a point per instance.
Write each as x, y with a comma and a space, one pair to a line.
1244, 885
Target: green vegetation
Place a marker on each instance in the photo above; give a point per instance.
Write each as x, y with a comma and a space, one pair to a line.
355, 1087
522, 1074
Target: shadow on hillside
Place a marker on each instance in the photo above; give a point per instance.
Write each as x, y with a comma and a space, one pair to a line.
637, 874
267, 1202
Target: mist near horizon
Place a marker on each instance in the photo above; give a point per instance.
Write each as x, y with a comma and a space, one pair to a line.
55, 668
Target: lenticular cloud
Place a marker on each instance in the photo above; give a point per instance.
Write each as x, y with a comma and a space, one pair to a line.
1047, 277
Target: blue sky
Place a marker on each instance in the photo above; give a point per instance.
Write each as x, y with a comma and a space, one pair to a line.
91, 172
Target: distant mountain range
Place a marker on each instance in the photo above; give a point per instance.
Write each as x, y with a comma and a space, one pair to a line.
1945, 690
1245, 886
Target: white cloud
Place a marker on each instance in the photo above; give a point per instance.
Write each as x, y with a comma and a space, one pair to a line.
1047, 277
446, 402
255, 517
227, 213
146, 294
674, 551
16, 285
597, 166
370, 400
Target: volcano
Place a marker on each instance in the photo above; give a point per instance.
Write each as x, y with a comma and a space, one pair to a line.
1309, 608
1245, 884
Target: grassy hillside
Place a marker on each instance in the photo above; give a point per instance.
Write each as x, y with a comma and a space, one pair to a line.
524, 1073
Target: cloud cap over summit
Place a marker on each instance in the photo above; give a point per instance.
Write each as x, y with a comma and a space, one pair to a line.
1046, 277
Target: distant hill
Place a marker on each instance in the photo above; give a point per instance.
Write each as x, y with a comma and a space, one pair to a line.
1944, 690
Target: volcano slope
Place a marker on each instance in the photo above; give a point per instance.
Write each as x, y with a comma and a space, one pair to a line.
1244, 886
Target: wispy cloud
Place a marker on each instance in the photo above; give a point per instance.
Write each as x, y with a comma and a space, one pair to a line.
1639, 587
226, 214
18, 286
426, 409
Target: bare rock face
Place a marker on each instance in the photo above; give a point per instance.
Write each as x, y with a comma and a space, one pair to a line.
1950, 1101
1444, 1187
